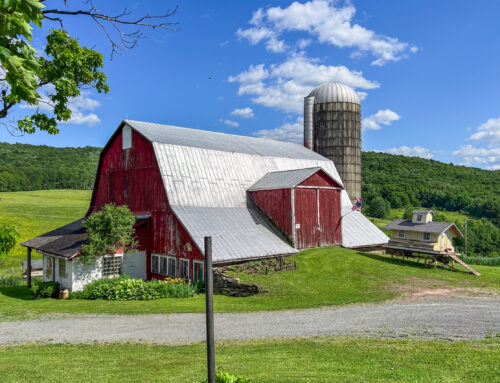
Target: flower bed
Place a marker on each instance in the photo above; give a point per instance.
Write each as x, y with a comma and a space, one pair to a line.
134, 289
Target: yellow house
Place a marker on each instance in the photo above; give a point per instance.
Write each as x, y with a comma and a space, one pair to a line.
422, 235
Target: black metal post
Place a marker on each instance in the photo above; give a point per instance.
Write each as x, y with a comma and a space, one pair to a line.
28, 268
209, 294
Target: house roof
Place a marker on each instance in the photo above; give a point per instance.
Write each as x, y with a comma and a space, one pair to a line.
286, 179
203, 139
358, 231
430, 227
423, 212
237, 233
66, 241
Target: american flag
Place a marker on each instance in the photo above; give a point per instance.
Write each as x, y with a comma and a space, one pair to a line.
357, 205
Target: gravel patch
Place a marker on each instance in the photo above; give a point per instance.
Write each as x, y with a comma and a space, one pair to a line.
456, 320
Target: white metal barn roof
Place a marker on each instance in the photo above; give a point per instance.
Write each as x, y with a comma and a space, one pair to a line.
207, 175
283, 180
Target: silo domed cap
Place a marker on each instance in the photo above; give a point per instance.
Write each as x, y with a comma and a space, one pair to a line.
334, 92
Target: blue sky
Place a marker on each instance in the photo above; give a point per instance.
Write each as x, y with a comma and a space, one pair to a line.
427, 71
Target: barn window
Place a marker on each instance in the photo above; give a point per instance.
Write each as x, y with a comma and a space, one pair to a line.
126, 137
198, 273
154, 264
168, 266
184, 268
427, 236
419, 217
111, 266
49, 268
62, 267
401, 234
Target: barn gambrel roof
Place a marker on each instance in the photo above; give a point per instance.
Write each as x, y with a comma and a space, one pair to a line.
207, 175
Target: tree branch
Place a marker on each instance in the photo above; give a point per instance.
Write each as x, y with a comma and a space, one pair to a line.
127, 40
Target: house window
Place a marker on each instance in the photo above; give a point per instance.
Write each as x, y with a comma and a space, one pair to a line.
154, 264
427, 236
419, 217
163, 265
184, 268
401, 234
198, 273
126, 137
111, 266
62, 267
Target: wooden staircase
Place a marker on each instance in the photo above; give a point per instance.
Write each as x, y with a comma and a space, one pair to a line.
456, 259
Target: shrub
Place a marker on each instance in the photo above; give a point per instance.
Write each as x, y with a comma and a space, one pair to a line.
45, 290
484, 261
225, 377
379, 208
12, 281
134, 289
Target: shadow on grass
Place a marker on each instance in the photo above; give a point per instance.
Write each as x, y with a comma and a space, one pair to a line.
18, 292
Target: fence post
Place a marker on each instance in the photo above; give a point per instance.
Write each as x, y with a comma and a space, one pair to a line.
209, 294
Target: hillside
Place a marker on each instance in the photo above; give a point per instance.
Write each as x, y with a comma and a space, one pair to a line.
29, 167
403, 181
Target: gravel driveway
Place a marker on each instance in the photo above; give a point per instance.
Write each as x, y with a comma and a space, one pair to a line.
465, 319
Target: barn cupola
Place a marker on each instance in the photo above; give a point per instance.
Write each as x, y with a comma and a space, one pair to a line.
303, 204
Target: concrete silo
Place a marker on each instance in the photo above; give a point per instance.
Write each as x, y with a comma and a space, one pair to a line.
332, 128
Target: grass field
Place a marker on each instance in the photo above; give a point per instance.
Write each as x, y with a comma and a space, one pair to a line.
36, 213
293, 360
327, 276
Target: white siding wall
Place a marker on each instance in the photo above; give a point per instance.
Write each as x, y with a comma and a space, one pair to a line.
84, 273
134, 264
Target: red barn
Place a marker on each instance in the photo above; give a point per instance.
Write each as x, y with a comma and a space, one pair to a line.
256, 198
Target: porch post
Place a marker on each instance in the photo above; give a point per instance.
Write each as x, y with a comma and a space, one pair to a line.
28, 268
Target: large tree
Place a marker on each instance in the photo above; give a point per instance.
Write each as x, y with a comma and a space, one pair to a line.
64, 67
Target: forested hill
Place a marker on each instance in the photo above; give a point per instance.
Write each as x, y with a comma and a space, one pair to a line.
412, 181
403, 181
30, 167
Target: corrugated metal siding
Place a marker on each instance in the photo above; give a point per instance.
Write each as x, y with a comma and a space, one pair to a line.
202, 177
237, 233
358, 231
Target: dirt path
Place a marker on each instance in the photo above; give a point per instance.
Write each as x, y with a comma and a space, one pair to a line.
464, 319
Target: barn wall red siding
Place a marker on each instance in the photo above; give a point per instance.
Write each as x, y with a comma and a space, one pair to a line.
277, 205
306, 219
131, 177
320, 179
329, 217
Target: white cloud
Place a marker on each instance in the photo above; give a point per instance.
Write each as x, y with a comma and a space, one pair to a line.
488, 155
243, 113
303, 43
283, 86
382, 117
230, 123
292, 132
416, 151
79, 106
327, 22
472, 155
489, 133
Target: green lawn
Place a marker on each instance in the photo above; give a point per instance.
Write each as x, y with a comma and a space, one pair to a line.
328, 276
294, 360
36, 213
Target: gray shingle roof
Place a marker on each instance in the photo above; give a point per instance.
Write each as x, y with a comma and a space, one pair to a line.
430, 227
284, 179
423, 211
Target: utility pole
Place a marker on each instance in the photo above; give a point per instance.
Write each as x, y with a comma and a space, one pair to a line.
209, 294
